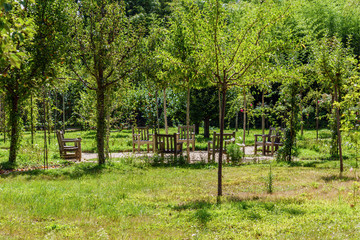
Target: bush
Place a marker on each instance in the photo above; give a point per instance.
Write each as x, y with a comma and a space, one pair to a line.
235, 153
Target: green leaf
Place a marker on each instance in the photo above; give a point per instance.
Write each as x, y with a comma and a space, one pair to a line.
15, 60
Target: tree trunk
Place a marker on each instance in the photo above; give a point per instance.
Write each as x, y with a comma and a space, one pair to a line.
32, 119
197, 128
188, 124
338, 129
165, 116
207, 127
48, 117
15, 129
44, 128
237, 121
219, 108
107, 139
63, 112
317, 118
301, 118
221, 139
157, 113
244, 123
101, 124
262, 113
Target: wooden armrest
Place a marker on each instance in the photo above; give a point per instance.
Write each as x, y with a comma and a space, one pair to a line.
257, 135
71, 140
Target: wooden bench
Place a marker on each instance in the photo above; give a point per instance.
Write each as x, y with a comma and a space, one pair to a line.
75, 151
214, 145
183, 137
168, 143
269, 142
141, 136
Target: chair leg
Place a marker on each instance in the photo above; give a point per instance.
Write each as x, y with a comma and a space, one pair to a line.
193, 146
147, 147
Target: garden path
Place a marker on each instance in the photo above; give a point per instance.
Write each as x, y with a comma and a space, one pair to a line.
196, 156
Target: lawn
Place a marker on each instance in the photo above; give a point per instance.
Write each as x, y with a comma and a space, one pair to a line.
133, 199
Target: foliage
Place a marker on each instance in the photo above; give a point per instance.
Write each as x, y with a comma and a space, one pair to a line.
235, 153
102, 56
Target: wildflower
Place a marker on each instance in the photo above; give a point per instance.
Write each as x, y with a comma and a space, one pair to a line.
241, 110
351, 169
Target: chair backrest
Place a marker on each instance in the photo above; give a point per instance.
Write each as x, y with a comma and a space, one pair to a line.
142, 132
166, 143
182, 131
60, 138
226, 136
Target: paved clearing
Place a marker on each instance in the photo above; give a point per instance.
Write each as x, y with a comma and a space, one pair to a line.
195, 156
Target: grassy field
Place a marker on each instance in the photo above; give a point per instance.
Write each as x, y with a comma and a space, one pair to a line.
133, 199
32, 155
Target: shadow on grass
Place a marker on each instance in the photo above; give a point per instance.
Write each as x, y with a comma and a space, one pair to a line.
8, 165
335, 177
68, 172
195, 205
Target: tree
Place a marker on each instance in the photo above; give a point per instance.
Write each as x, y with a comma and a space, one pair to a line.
180, 50
235, 38
33, 45
336, 65
104, 42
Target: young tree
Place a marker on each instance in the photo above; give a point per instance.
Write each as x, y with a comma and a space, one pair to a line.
336, 65
34, 45
104, 42
235, 38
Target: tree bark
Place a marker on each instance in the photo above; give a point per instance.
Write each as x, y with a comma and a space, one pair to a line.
237, 121
263, 113
101, 124
317, 118
44, 128
197, 128
207, 127
223, 90
32, 119
157, 113
338, 129
14, 123
107, 139
244, 123
301, 118
165, 116
219, 108
63, 112
188, 124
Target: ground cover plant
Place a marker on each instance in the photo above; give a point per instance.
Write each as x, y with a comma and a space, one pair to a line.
132, 198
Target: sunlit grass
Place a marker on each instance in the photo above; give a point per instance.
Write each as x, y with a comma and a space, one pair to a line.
134, 199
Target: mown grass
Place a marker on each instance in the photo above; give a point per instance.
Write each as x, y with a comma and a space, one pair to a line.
133, 199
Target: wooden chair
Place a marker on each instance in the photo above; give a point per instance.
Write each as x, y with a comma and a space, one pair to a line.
75, 151
168, 143
141, 136
183, 137
214, 145
269, 142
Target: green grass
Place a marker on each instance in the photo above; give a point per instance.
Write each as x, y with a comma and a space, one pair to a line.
133, 199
